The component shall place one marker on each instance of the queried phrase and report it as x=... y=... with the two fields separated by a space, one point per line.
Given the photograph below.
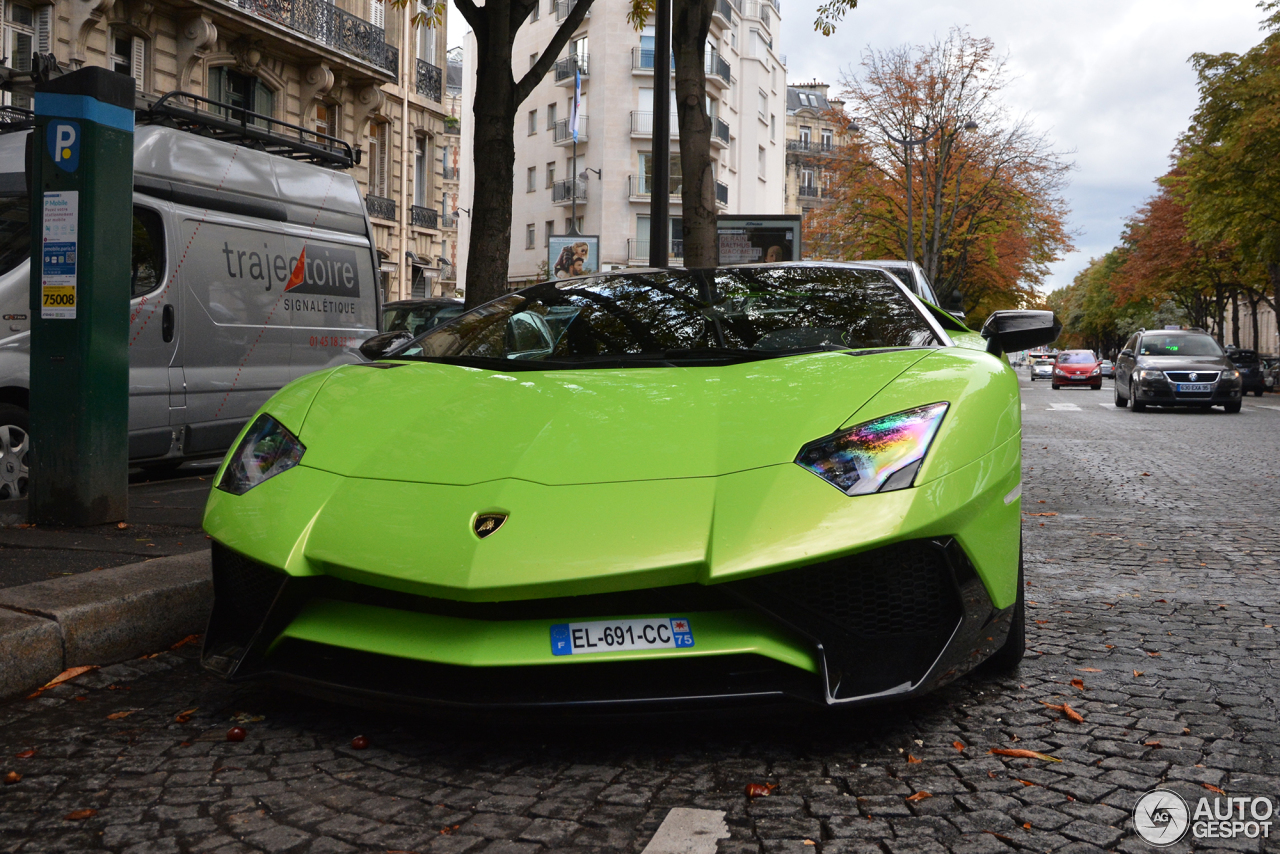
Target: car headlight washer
x=881 y=455
x=266 y=450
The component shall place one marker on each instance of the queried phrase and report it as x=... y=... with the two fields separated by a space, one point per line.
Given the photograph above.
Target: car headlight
x=1096 y=371
x=877 y=456
x=1231 y=375
x=1150 y=375
x=265 y=451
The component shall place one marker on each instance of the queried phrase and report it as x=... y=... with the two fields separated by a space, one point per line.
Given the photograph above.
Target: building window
x=19 y=43
x=426 y=37
x=533 y=60
x=551 y=116
x=548 y=229
x=773 y=126
x=324 y=119
x=128 y=56
x=377 y=13
x=529 y=236
x=531 y=179
x=806 y=177
x=762 y=103
x=805 y=134
x=422 y=172
x=378 y=159
x=533 y=122
x=241 y=92
x=673 y=172
x=826 y=139
x=551 y=173
x=761 y=159
x=537 y=11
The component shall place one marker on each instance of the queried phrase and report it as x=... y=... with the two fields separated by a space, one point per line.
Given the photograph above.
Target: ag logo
x=63 y=138
x=1161 y=817
x=488 y=523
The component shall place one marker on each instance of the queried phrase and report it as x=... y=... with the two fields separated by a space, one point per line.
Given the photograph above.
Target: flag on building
x=577 y=100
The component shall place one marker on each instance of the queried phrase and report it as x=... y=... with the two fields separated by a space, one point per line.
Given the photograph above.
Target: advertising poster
x=572 y=255
x=758 y=240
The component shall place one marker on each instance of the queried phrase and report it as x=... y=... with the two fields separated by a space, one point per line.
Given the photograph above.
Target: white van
x=218 y=229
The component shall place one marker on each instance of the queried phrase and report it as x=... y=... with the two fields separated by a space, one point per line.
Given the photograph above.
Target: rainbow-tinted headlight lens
x=878 y=456
x=265 y=451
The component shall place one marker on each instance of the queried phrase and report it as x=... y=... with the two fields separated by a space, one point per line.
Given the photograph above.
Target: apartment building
x=450 y=167
x=812 y=140
x=357 y=70
x=608 y=186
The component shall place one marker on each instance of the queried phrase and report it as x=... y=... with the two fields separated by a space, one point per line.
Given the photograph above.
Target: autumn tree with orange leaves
x=988 y=215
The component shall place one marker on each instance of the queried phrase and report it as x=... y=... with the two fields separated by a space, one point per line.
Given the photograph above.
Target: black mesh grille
x=243 y=591
x=893 y=591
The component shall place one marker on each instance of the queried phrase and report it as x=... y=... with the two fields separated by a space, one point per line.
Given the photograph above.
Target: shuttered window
x=128 y=56
x=377 y=13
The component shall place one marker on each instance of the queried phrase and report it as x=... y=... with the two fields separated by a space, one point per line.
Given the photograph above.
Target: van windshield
x=15 y=230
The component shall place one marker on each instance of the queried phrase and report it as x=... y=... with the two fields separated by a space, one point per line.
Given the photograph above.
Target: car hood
x=1185 y=363
x=446 y=424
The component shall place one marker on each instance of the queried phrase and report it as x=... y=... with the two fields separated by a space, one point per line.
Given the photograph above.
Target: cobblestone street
x=1154 y=601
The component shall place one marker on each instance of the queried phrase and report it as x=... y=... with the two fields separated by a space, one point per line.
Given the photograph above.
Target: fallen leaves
x=1152 y=744
x=246 y=718
x=11 y=778
x=1089 y=670
x=958 y=745
x=65 y=675
x=1021 y=753
x=918 y=796
x=80 y=815
x=911 y=760
x=116 y=716
x=1146 y=474
x=26 y=754
x=122 y=525
x=1041 y=514
x=1213 y=788
x=1137 y=673
x=1071 y=713
x=188 y=639
x=1154 y=654
x=1027 y=782
x=183 y=717
x=760 y=790
x=1078 y=684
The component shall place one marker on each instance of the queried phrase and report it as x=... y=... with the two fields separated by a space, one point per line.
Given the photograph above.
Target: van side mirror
x=1007 y=331
x=1127 y=352
x=382 y=344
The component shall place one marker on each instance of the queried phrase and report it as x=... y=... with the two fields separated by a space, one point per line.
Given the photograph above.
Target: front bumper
x=889 y=623
x=1077 y=379
x=1160 y=392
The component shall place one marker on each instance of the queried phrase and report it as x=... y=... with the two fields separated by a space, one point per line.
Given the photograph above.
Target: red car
x=1077 y=367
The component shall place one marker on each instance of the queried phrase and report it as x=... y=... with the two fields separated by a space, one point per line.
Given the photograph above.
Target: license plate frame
x=1194 y=388
x=621 y=635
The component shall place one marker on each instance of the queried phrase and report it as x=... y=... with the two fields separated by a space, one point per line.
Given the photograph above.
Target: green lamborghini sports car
x=775 y=482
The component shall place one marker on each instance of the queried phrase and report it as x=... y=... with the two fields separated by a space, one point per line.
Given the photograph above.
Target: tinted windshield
x=419 y=319
x=683 y=318
x=1179 y=345
x=15 y=231
x=1076 y=357
x=1244 y=357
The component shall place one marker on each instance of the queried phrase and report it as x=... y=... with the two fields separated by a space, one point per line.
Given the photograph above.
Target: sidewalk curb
x=100 y=617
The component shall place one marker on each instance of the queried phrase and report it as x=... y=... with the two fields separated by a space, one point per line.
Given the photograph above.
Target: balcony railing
x=562 y=131
x=642 y=59
x=428 y=80
x=642 y=124
x=809 y=145
x=448 y=272
x=640 y=186
x=450 y=173
x=380 y=207
x=424 y=217
x=565 y=67
x=638 y=249
x=331 y=26
x=448 y=221
x=720 y=131
x=722 y=193
x=724 y=10
x=717 y=66
x=756 y=9
x=564 y=7
x=810 y=192
x=568 y=190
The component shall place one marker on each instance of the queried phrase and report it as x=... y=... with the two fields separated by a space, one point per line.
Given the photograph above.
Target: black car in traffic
x=1175 y=367
x=1253 y=375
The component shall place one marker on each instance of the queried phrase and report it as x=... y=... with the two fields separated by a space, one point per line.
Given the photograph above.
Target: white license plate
x=621 y=635
x=1185 y=387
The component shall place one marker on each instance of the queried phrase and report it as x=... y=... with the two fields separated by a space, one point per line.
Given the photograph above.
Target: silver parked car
x=1042 y=369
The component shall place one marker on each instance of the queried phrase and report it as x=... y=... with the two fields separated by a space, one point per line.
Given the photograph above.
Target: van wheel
x=1120 y=399
x=15 y=443
x=1138 y=406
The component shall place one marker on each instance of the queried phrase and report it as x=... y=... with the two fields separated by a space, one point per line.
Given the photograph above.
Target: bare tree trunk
x=1235 y=317
x=489 y=254
x=690 y=23
x=1253 y=312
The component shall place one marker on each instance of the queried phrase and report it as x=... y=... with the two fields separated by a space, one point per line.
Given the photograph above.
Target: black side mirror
x=1007 y=331
x=1128 y=353
x=382 y=344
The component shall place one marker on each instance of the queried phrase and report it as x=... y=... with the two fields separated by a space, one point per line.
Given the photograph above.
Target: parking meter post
x=81 y=172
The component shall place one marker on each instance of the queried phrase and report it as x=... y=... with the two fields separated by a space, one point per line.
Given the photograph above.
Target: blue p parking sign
x=63 y=138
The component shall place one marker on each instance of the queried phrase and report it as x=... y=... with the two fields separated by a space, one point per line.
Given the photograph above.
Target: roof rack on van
x=204 y=116
x=16 y=118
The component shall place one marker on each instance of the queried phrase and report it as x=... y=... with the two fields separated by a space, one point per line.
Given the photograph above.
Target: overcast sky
x=1108 y=79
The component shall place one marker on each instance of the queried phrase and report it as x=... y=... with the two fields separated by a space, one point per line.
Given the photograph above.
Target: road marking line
x=1063 y=407
x=1107 y=404
x=688 y=831
x=1264 y=406
x=1024 y=407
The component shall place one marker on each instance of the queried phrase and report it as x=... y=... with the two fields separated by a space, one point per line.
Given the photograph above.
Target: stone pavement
x=1155 y=592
